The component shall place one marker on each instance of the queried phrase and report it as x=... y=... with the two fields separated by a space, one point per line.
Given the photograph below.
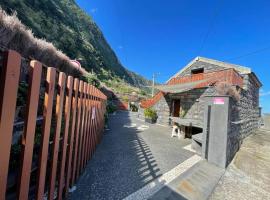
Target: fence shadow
x=122 y=164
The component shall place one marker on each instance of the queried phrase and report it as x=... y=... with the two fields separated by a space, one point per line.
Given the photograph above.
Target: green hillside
x=72 y=31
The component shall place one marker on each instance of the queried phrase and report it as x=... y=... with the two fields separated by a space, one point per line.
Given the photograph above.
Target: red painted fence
x=79 y=119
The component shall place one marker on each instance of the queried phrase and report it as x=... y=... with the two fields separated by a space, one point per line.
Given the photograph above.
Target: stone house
x=182 y=96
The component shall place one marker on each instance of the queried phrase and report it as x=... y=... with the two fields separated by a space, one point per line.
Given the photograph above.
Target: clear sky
x=158 y=36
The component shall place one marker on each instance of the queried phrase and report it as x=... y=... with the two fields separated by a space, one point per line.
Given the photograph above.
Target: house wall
x=199 y=64
x=193 y=102
x=244 y=116
x=163 y=110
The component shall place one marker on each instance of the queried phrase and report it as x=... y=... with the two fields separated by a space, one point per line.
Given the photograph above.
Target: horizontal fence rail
x=54 y=153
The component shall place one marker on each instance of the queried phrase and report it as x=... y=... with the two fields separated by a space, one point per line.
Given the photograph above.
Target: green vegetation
x=71 y=30
x=182 y=113
x=111 y=108
x=150 y=113
x=134 y=108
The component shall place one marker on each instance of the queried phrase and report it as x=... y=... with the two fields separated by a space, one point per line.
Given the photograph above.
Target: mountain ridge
x=70 y=29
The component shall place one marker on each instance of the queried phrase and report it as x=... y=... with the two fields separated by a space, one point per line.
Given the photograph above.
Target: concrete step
x=195 y=184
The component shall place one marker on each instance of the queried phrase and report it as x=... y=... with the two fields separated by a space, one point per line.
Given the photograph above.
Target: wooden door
x=176 y=108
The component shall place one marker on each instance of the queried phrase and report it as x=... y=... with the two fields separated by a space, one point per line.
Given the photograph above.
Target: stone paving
x=248 y=176
x=132 y=154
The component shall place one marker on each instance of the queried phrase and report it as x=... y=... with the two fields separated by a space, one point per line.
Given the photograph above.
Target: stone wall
x=193 y=102
x=163 y=108
x=244 y=116
x=200 y=64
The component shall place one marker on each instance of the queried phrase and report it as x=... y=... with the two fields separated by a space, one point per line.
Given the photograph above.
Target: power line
x=250 y=53
x=211 y=25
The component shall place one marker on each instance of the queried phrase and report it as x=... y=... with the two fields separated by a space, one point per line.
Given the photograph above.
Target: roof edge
x=239 y=68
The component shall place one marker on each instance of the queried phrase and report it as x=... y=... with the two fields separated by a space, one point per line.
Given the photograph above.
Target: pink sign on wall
x=219 y=101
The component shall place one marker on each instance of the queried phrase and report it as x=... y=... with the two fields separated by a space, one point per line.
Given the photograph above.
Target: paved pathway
x=248 y=176
x=131 y=155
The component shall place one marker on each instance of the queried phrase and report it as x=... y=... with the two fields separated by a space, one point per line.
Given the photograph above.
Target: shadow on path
x=123 y=162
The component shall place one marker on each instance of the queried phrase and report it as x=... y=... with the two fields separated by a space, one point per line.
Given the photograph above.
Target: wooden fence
x=65 y=149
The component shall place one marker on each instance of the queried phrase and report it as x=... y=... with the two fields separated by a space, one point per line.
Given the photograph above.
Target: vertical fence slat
x=59 y=110
x=90 y=122
x=8 y=94
x=71 y=139
x=78 y=122
x=82 y=135
x=65 y=136
x=95 y=118
x=29 y=129
x=93 y=121
x=46 y=126
x=86 y=127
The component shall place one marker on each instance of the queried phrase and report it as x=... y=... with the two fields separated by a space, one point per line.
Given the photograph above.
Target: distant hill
x=74 y=32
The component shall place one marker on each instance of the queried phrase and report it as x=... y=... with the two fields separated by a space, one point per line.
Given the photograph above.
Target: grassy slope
x=71 y=30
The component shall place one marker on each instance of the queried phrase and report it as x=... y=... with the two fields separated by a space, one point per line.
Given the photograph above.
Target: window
x=197 y=71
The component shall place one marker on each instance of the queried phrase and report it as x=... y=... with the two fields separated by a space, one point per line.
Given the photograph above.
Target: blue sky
x=158 y=36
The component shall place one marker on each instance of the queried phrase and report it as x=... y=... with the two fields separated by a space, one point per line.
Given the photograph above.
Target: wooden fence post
x=29 y=129
x=82 y=131
x=74 y=174
x=65 y=136
x=59 y=111
x=71 y=139
x=8 y=95
x=46 y=127
x=90 y=122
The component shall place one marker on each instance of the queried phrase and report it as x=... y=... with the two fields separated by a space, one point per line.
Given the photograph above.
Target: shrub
x=111 y=108
x=133 y=108
x=182 y=113
x=92 y=79
x=150 y=113
x=125 y=98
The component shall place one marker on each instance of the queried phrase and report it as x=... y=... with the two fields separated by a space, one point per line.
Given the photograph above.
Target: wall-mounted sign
x=219 y=101
x=94 y=113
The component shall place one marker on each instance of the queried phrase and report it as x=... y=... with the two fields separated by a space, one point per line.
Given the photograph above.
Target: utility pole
x=153 y=83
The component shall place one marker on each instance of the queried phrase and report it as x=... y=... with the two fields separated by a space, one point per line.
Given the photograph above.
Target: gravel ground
x=131 y=155
x=248 y=176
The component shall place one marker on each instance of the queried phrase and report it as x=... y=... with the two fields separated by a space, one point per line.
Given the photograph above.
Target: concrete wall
x=216 y=130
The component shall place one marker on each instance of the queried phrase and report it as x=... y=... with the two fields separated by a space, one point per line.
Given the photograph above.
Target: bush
x=125 y=98
x=92 y=79
x=111 y=108
x=150 y=113
x=182 y=113
x=133 y=108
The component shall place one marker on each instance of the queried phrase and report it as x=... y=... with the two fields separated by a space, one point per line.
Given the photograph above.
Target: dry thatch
x=224 y=88
x=14 y=35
